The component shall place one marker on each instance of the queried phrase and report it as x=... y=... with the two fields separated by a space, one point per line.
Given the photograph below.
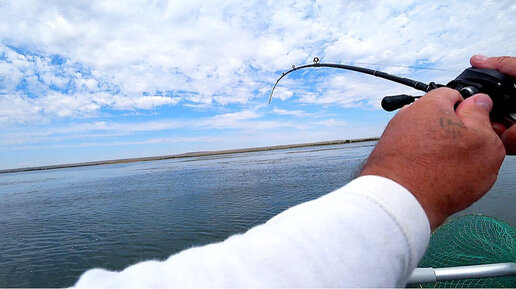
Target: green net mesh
x=472 y=240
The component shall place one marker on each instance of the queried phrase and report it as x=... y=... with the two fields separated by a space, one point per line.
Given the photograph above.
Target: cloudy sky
x=94 y=80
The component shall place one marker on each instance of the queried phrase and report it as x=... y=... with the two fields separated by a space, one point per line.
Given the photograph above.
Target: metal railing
x=429 y=275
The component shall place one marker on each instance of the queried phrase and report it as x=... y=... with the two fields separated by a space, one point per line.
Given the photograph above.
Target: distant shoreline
x=186 y=155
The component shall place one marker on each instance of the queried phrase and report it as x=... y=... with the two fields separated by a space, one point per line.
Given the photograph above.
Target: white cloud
x=17 y=108
x=282 y=92
x=150 y=141
x=72 y=134
x=222 y=52
x=144 y=102
x=243 y=120
x=332 y=123
x=87 y=130
x=298 y=113
x=234 y=116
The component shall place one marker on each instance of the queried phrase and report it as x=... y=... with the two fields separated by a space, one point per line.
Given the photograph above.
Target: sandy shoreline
x=186 y=155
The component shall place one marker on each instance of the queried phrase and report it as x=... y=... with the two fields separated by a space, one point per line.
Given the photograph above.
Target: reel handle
x=393 y=102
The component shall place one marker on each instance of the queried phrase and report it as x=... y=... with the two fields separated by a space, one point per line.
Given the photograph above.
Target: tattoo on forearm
x=453 y=127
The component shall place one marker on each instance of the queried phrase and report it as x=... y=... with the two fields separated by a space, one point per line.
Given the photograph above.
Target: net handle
x=430 y=275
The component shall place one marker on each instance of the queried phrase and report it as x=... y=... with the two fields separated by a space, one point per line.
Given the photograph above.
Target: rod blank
x=405 y=81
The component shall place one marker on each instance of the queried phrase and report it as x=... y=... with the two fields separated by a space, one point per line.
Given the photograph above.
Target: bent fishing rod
x=500 y=87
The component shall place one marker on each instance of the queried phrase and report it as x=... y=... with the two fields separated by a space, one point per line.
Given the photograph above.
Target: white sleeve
x=369 y=233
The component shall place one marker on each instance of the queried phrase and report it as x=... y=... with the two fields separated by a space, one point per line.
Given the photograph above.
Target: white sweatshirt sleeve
x=369 y=233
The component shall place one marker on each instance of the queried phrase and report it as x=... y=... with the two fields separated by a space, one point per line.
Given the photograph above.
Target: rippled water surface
x=56 y=224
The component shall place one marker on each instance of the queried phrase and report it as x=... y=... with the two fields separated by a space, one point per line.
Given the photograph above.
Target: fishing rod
x=500 y=87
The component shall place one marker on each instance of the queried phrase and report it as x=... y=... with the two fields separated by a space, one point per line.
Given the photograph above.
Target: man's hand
x=506 y=65
x=447 y=159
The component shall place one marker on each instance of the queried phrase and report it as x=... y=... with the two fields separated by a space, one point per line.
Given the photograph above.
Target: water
x=56 y=224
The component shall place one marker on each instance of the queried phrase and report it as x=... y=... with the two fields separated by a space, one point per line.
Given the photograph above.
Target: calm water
x=56 y=224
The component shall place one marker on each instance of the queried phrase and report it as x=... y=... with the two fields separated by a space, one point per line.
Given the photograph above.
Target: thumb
x=474 y=110
x=504 y=64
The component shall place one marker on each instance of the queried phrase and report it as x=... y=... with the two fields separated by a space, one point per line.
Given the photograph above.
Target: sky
x=95 y=80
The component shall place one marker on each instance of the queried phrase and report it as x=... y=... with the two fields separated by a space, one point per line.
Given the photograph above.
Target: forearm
x=371 y=232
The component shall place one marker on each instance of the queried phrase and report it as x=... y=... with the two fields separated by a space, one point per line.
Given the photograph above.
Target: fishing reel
x=500 y=87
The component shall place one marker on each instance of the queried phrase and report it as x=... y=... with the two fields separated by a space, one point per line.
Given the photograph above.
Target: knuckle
x=497 y=148
x=503 y=61
x=445 y=93
x=446 y=90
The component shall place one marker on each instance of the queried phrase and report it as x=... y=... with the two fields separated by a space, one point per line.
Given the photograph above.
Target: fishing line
x=406 y=66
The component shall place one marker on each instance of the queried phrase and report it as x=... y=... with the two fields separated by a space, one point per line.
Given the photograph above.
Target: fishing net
x=472 y=240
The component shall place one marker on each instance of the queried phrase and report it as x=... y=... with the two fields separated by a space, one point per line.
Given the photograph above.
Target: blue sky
x=95 y=80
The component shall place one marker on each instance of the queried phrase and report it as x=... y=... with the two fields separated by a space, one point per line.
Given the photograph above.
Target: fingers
x=445 y=95
x=509 y=140
x=504 y=64
x=474 y=111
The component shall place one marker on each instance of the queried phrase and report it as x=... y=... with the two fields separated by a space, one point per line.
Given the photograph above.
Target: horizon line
x=184 y=155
